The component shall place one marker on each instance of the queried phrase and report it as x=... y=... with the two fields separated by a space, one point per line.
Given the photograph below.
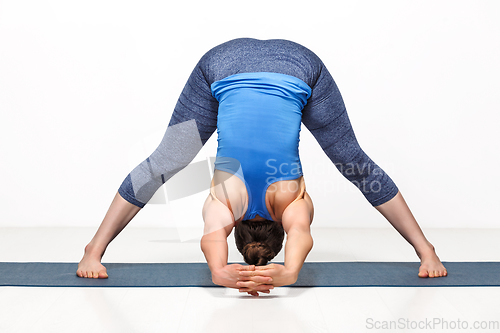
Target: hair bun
x=257 y=253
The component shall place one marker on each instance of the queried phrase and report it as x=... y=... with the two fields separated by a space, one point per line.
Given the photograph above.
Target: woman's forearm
x=298 y=245
x=214 y=247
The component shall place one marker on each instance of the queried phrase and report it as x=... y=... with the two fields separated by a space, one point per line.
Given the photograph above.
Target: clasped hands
x=253 y=279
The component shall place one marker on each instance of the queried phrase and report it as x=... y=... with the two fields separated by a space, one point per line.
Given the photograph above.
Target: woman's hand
x=228 y=276
x=279 y=274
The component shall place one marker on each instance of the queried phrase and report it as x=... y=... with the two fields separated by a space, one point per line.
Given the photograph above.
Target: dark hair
x=259 y=241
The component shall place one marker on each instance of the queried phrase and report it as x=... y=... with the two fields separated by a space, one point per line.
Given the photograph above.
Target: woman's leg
x=326 y=117
x=118 y=216
x=396 y=211
x=192 y=123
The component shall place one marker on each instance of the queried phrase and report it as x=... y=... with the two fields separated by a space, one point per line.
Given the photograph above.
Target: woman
x=261 y=90
x=258 y=186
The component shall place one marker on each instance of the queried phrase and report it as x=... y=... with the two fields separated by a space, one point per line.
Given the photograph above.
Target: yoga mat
x=313 y=274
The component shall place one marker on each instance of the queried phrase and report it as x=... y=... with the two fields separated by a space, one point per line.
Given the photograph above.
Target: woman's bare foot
x=430 y=265
x=90 y=266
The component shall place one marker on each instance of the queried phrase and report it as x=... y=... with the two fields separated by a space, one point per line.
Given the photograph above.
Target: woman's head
x=259 y=241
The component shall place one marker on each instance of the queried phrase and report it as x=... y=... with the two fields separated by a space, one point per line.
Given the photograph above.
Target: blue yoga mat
x=313 y=274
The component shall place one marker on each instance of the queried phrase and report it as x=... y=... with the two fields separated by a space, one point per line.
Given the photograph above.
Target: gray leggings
x=194 y=118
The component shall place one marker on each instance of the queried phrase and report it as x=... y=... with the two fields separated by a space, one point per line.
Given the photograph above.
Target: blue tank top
x=258 y=127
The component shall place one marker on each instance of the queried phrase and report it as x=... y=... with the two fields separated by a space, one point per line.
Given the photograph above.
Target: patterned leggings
x=194 y=118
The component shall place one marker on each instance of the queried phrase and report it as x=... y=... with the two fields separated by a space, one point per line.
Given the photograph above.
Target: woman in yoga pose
x=256 y=93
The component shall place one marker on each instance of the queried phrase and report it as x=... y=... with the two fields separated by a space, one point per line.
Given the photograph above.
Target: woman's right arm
x=219 y=223
x=218 y=226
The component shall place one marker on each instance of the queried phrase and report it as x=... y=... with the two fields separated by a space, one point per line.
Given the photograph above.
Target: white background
x=87 y=90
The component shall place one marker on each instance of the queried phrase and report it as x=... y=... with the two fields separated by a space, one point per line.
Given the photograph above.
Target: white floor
x=226 y=310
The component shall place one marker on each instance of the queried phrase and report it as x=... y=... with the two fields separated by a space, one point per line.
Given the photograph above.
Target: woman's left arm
x=296 y=220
